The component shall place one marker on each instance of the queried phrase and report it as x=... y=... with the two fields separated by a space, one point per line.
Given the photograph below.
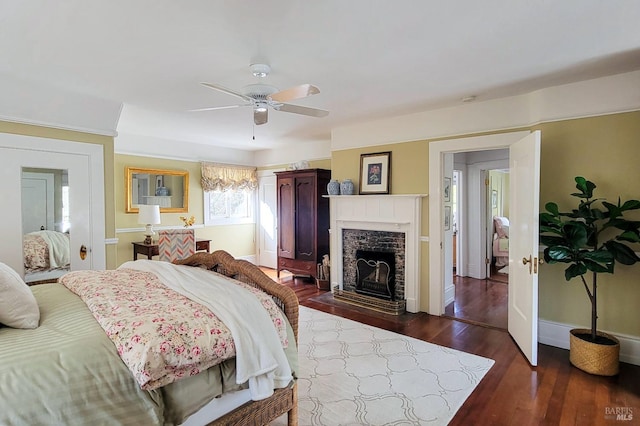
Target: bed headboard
x=223 y=263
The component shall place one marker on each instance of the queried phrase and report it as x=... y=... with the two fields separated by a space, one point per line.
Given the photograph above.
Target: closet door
x=84 y=164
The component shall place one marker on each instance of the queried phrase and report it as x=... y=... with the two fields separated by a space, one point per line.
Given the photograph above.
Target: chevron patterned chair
x=176 y=244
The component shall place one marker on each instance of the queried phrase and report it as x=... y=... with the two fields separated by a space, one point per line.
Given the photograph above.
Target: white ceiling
x=369 y=58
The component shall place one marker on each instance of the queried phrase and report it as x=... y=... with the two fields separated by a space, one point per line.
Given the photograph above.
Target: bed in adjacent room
x=211 y=341
x=501 y=243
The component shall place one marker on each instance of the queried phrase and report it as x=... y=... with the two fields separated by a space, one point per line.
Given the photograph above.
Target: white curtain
x=224 y=177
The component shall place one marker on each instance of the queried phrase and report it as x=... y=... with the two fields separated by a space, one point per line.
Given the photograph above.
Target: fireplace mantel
x=393 y=213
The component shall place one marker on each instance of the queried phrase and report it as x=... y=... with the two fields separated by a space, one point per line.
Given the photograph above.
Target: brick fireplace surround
x=387 y=213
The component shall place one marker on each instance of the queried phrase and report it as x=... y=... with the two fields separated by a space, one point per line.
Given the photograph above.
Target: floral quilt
x=160 y=335
x=36 y=253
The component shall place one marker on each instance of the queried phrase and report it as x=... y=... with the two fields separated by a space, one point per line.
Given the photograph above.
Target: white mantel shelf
x=379 y=212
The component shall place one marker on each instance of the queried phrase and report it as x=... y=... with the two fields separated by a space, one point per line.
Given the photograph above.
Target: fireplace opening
x=375 y=274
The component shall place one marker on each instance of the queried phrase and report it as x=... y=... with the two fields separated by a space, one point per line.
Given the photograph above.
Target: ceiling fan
x=262 y=96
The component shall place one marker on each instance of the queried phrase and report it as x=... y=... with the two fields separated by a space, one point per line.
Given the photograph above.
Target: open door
x=267 y=212
x=523 y=244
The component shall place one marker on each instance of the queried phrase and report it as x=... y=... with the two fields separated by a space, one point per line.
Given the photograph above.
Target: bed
x=71 y=370
x=500 y=241
x=46 y=255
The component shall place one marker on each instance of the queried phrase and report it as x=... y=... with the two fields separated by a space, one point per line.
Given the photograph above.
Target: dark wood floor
x=480 y=301
x=512 y=392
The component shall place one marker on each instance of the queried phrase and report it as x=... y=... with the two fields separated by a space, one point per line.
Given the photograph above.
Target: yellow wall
x=107 y=143
x=239 y=240
x=604 y=149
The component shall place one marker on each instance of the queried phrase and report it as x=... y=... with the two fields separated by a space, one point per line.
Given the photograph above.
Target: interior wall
x=108 y=155
x=239 y=240
x=603 y=149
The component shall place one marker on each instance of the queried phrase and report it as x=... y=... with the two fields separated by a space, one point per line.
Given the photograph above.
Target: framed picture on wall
x=447 y=189
x=375 y=173
x=447 y=218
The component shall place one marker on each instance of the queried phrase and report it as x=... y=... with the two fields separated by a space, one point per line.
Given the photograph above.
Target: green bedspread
x=67 y=372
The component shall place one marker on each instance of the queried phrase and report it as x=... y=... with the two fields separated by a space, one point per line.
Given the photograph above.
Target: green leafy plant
x=589 y=239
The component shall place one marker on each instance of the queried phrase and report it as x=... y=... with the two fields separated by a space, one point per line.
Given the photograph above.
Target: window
x=229 y=207
x=228 y=193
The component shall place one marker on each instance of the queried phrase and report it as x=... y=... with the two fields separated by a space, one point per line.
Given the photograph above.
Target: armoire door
x=286 y=218
x=305 y=238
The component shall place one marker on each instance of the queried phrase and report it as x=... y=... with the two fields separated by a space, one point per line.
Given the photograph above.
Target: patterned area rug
x=354 y=374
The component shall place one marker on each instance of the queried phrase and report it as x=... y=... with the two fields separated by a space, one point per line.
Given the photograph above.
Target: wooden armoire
x=303 y=220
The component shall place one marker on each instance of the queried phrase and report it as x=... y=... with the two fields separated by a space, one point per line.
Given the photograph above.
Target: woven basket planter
x=594 y=358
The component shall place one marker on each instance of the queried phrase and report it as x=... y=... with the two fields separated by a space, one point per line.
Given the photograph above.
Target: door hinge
x=487 y=261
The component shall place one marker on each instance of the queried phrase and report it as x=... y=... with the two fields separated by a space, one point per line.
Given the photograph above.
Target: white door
x=523 y=244
x=37 y=202
x=84 y=164
x=267 y=224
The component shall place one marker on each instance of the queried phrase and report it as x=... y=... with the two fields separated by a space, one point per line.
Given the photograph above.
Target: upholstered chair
x=175 y=244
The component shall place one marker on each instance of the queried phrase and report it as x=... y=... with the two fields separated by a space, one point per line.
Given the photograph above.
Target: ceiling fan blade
x=228 y=92
x=297 y=109
x=260 y=116
x=220 y=107
x=296 y=92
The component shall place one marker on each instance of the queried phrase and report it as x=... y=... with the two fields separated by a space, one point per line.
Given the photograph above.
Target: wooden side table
x=151 y=250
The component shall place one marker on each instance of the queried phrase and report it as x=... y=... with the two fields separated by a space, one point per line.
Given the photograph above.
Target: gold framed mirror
x=167 y=188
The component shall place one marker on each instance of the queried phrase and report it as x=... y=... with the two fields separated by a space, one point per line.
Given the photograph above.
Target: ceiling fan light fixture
x=261 y=108
x=260 y=70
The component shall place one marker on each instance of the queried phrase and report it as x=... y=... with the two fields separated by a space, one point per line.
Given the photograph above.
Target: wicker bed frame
x=283 y=400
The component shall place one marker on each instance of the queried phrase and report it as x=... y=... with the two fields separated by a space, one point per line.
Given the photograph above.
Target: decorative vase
x=333 y=187
x=594 y=358
x=346 y=187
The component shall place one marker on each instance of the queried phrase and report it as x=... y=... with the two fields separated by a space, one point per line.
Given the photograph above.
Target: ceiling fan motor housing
x=259 y=92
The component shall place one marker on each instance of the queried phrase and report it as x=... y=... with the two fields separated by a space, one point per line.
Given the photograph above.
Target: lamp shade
x=149 y=214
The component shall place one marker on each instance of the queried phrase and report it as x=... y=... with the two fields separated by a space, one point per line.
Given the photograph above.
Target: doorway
x=524 y=162
x=477 y=295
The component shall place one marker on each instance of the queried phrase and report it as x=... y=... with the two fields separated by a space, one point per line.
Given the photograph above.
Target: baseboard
x=251 y=258
x=557 y=334
x=449 y=294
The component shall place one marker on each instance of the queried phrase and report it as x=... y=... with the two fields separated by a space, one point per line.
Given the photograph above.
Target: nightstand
x=151 y=250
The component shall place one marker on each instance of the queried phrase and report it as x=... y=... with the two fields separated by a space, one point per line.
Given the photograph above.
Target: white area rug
x=354 y=374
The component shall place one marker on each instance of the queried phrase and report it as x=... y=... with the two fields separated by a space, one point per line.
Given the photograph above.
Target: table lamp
x=149 y=215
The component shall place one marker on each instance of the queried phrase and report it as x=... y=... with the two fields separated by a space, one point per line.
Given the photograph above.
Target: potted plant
x=590 y=240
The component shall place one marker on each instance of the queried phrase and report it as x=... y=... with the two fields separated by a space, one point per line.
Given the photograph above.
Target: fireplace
x=381 y=223
x=375 y=274
x=373 y=246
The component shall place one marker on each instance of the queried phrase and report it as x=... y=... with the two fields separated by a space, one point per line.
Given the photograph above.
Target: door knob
x=83 y=252
x=525 y=261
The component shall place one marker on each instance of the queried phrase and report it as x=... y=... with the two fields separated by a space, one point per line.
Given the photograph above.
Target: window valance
x=224 y=177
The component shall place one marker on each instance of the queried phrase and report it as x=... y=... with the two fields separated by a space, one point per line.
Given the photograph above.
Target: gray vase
x=333 y=187
x=346 y=187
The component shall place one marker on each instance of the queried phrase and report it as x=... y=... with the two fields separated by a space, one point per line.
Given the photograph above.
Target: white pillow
x=18 y=306
x=501 y=225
